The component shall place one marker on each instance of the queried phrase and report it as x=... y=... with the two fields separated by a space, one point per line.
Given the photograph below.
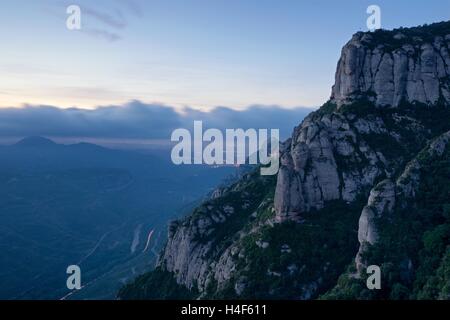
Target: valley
x=81 y=204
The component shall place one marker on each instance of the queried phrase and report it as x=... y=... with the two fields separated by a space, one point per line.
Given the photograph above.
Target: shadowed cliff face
x=331 y=155
x=310 y=174
x=395 y=67
x=386 y=194
x=343 y=168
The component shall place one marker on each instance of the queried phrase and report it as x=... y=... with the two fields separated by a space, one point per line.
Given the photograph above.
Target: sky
x=136 y=122
x=199 y=54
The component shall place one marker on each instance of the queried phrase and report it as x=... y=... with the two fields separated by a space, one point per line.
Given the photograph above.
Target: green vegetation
x=409 y=126
x=359 y=108
x=414 y=246
x=244 y=197
x=301 y=259
x=315 y=257
x=390 y=147
x=327 y=108
x=416 y=35
x=155 y=285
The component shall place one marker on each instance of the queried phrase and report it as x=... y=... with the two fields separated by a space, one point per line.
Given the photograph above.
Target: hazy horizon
x=202 y=55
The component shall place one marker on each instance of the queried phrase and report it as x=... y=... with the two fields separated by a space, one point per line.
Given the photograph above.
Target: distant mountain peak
x=35 y=141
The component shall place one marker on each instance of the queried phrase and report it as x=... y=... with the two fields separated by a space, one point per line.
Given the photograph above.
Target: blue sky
x=197 y=53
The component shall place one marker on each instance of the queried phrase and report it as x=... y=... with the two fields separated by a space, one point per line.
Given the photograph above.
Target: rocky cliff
x=383 y=69
x=387 y=194
x=200 y=248
x=341 y=191
x=407 y=65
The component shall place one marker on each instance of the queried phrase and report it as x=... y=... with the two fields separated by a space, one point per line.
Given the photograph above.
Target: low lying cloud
x=137 y=120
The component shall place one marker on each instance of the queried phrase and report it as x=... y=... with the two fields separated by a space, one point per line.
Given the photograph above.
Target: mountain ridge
x=309 y=232
x=34 y=141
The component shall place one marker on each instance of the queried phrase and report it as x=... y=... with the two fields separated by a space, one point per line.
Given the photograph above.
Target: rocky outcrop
x=310 y=174
x=338 y=153
x=392 y=70
x=186 y=253
x=333 y=156
x=381 y=201
x=330 y=155
x=196 y=252
x=385 y=195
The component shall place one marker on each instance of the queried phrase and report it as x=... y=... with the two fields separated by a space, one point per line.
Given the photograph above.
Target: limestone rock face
x=410 y=70
x=195 y=251
x=387 y=194
x=381 y=201
x=330 y=155
x=335 y=154
x=185 y=255
x=325 y=160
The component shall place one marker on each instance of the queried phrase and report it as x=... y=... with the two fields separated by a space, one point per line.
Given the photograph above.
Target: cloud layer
x=137 y=120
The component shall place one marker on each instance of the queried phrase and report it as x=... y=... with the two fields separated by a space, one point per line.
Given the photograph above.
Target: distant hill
x=35 y=142
x=88 y=205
